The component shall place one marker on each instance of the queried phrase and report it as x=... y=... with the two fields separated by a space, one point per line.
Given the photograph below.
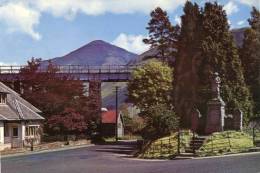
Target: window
x=15 y=132
x=31 y=131
x=3 y=98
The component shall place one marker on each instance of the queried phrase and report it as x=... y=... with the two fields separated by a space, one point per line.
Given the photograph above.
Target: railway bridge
x=94 y=75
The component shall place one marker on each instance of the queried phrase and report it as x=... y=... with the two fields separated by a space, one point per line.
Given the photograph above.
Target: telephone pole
x=116 y=126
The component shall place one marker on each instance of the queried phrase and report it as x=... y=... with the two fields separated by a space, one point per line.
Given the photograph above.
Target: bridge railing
x=73 y=69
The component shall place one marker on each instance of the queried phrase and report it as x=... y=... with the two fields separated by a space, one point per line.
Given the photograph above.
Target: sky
x=52 y=28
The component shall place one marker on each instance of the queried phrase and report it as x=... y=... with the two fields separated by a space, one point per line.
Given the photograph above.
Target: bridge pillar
x=95 y=95
x=17 y=86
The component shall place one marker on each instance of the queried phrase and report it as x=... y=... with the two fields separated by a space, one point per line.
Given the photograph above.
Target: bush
x=159 y=121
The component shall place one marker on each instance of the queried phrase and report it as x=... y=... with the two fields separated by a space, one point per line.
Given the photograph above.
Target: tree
x=56 y=97
x=250 y=56
x=206 y=46
x=220 y=55
x=68 y=122
x=160 y=121
x=150 y=85
x=150 y=90
x=187 y=61
x=162 y=35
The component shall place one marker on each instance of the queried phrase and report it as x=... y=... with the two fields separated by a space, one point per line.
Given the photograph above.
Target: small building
x=108 y=126
x=19 y=120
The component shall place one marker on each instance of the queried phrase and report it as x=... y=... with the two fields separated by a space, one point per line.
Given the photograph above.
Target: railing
x=168 y=146
x=225 y=145
x=73 y=69
x=7 y=140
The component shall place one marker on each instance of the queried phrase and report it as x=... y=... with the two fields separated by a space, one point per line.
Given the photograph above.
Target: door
x=15 y=139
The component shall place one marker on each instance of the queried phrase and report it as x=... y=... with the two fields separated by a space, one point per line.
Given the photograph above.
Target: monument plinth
x=216 y=108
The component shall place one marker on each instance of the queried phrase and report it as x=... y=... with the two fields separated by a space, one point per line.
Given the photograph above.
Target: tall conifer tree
x=250 y=56
x=206 y=46
x=220 y=55
x=162 y=35
x=186 y=79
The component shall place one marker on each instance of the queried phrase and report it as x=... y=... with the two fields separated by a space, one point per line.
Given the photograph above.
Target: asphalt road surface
x=115 y=159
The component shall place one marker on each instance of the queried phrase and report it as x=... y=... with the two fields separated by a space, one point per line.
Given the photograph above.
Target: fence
x=255 y=133
x=229 y=142
x=168 y=146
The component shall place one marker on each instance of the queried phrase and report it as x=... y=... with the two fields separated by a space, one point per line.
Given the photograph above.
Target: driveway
x=116 y=159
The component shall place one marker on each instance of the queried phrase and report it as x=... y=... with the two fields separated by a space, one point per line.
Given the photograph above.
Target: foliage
x=226 y=142
x=162 y=35
x=207 y=46
x=187 y=63
x=56 y=97
x=68 y=122
x=220 y=55
x=150 y=85
x=132 y=123
x=159 y=121
x=250 y=56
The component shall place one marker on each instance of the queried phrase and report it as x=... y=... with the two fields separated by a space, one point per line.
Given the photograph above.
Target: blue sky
x=51 y=28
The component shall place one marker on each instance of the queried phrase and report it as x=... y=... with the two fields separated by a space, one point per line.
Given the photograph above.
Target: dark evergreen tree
x=162 y=35
x=219 y=54
x=187 y=60
x=206 y=46
x=250 y=56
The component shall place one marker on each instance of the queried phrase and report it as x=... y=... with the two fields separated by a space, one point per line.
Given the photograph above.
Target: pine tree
x=219 y=54
x=162 y=35
x=250 y=56
x=186 y=79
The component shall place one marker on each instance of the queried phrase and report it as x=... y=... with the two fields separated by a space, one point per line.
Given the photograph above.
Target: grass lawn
x=166 y=147
x=226 y=142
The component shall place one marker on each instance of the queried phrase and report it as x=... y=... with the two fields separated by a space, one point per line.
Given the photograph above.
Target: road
x=115 y=159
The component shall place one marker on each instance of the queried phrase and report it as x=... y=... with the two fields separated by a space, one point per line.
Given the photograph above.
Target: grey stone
x=216 y=108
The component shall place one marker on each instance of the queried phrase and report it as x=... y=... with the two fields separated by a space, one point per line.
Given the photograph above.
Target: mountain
x=95 y=53
x=238 y=35
x=99 y=53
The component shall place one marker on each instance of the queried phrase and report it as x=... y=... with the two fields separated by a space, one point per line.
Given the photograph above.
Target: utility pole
x=116 y=126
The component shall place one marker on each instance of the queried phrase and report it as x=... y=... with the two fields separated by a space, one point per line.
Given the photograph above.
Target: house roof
x=16 y=107
x=109 y=117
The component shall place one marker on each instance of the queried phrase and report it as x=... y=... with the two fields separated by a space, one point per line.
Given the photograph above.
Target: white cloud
x=177 y=19
x=250 y=3
x=231 y=8
x=242 y=22
x=132 y=43
x=69 y=8
x=24 y=15
x=20 y=18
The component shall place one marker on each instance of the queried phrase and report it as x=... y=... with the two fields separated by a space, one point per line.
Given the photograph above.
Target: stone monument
x=216 y=108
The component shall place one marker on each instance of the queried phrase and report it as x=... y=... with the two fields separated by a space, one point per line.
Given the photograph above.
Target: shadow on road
x=120 y=147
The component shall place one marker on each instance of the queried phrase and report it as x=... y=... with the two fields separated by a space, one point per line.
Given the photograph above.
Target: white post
x=2 y=132
x=21 y=132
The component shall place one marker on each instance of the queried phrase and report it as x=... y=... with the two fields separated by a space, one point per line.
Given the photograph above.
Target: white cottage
x=19 y=120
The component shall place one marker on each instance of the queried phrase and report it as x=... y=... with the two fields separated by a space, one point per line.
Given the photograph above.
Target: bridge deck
x=109 y=73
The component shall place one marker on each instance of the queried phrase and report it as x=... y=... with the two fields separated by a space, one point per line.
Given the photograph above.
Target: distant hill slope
x=95 y=53
x=238 y=35
x=99 y=53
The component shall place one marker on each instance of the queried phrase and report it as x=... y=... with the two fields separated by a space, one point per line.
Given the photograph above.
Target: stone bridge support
x=95 y=95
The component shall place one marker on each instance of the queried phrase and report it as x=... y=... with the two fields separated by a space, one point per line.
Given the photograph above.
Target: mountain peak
x=98 y=42
x=97 y=53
